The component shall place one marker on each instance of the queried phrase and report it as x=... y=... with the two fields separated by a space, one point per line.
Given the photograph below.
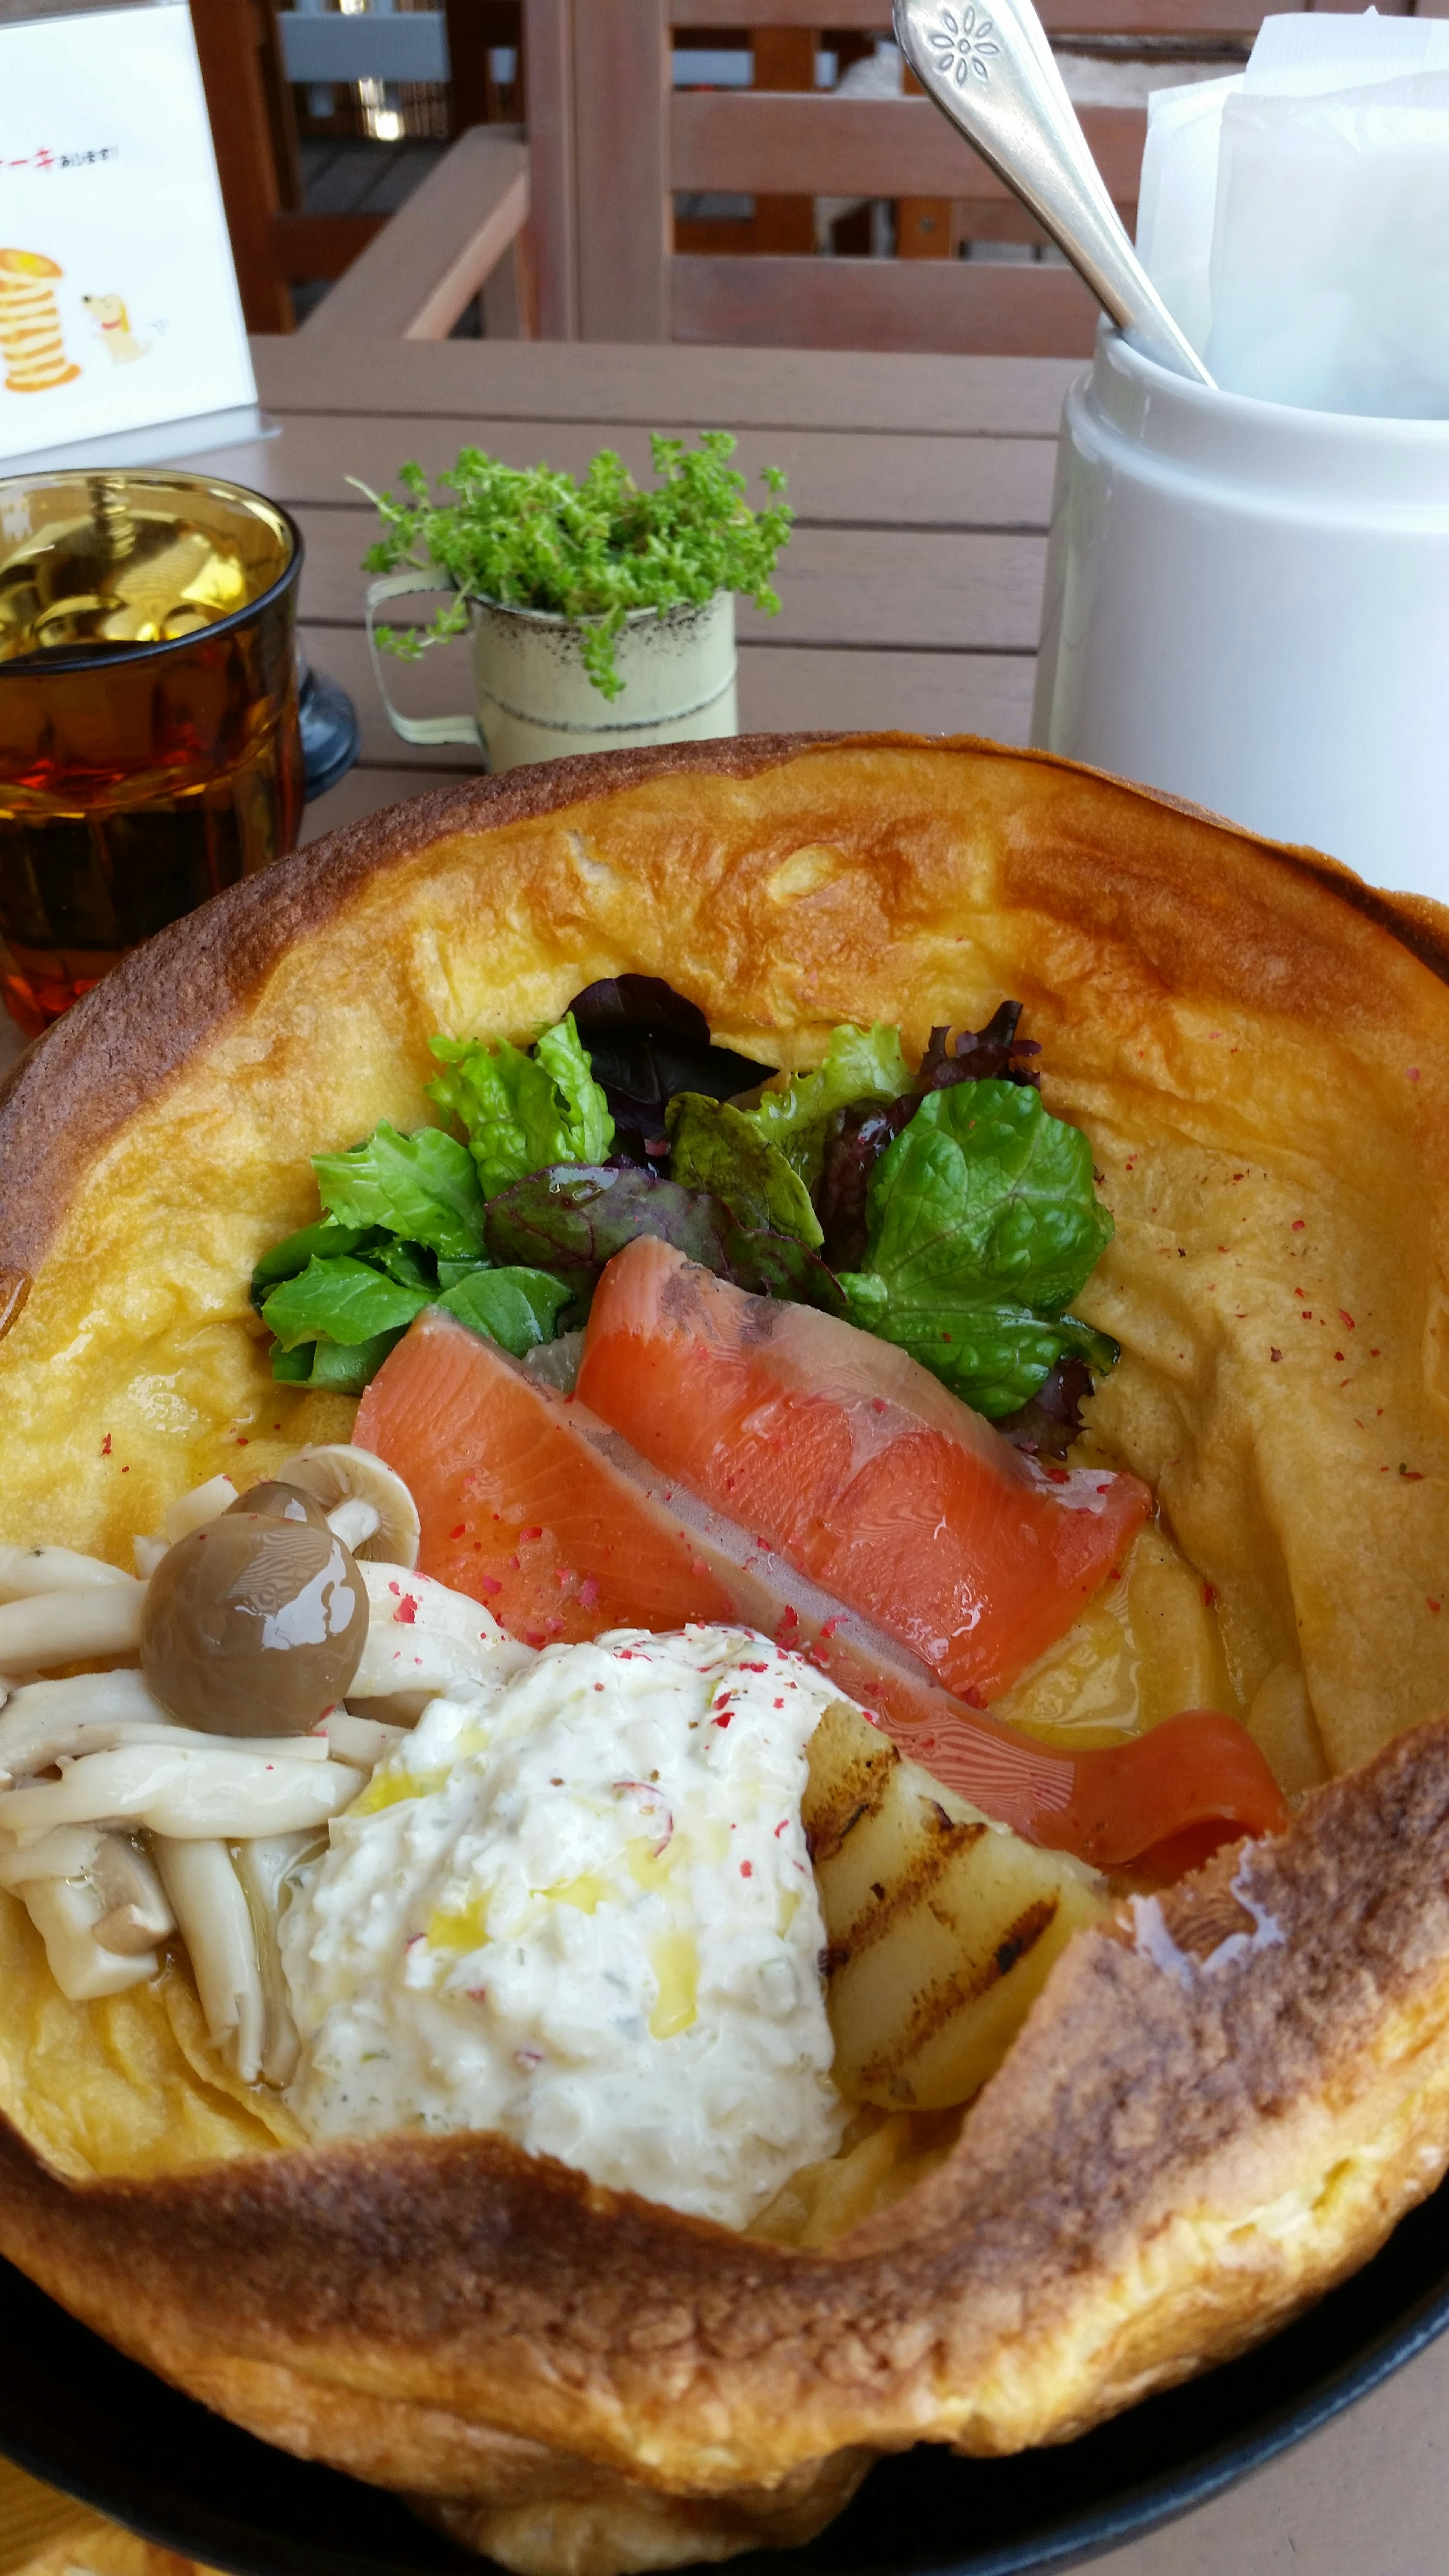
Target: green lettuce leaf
x=337 y=1321
x=423 y=1188
x=522 y=1112
x=342 y=1301
x=859 y=1064
x=327 y=1364
x=514 y=1307
x=295 y=1251
x=714 y=1146
x=983 y=1226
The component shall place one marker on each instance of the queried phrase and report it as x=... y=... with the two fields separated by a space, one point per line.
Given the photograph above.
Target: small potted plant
x=601 y=614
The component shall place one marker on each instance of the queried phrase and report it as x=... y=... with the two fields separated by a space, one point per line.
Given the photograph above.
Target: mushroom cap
x=339 y=1473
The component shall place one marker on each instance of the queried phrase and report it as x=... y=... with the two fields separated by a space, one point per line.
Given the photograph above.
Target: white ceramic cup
x=1249 y=606
x=534 y=699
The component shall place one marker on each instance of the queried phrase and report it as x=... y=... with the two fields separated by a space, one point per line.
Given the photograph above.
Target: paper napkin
x=1296 y=218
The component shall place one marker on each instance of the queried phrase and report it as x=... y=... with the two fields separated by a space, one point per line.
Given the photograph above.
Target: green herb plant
x=591 y=551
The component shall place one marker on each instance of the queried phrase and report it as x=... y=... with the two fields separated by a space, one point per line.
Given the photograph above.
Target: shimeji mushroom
x=25 y=1571
x=423 y=1640
x=263 y=1867
x=49 y=1722
x=364 y=1741
x=216 y=1925
x=189 y=1512
x=226 y=1792
x=98 y=1906
x=45 y=1721
x=70 y=1627
x=137 y=1915
x=367 y=1506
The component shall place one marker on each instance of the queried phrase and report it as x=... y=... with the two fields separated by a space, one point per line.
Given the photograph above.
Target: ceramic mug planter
x=535 y=700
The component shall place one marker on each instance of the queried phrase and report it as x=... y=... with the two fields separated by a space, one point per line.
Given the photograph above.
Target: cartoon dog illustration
x=108 y=312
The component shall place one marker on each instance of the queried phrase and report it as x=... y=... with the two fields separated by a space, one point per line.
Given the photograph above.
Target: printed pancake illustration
x=1171 y=2100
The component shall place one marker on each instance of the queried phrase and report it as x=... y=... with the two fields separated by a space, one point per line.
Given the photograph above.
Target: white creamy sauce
x=577 y=1907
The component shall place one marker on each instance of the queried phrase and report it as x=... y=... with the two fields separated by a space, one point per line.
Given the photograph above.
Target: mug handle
x=461 y=728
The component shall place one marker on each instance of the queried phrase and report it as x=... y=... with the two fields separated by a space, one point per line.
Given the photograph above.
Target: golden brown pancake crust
x=1185 y=2146
x=1175 y=2157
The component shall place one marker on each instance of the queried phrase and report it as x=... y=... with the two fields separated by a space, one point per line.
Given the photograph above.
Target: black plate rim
x=219 y=2537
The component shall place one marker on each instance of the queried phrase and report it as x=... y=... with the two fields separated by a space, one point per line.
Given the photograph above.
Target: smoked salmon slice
x=532 y=1505
x=517 y=1510
x=856 y=1464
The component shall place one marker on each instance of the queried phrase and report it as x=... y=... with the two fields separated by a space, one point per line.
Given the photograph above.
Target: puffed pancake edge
x=1210 y=2117
x=1218 y=2108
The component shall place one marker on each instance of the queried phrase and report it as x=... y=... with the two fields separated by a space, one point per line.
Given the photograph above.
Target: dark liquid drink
x=149 y=751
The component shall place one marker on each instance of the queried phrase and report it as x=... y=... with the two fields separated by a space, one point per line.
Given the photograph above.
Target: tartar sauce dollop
x=579 y=1909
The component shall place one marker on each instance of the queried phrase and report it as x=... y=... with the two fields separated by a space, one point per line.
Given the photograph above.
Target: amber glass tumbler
x=149 y=750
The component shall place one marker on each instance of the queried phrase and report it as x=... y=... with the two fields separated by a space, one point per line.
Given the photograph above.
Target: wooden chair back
x=612 y=143
x=275 y=242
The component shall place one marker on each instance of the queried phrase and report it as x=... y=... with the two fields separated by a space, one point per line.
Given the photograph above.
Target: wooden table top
x=911 y=590
x=911 y=587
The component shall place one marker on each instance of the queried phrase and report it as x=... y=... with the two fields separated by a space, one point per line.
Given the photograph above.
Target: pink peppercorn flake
x=459 y=1531
x=1347 y=1321
x=1434 y=1605
x=747 y=1869
x=530 y=1533
x=106 y=1446
x=406 y=1611
x=1298 y=1224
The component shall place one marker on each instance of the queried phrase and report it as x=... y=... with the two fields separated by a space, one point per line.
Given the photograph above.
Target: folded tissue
x=1295 y=219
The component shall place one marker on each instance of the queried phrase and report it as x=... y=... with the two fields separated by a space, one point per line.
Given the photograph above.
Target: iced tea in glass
x=149 y=750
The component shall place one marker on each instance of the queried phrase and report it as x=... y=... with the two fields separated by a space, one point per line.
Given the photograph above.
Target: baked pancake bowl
x=1218 y=2106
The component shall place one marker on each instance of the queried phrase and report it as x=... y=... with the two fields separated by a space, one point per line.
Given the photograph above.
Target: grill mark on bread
x=855 y=1797
x=941 y=1844
x=931 y=2011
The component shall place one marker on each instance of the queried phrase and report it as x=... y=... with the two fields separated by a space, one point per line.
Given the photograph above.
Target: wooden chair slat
x=621 y=75
x=815 y=145
x=871 y=17
x=965 y=307
x=437 y=251
x=766 y=389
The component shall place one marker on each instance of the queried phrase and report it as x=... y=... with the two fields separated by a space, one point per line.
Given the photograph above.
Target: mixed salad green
x=942 y=1208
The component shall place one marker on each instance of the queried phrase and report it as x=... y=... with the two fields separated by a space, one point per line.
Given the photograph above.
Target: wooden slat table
x=922 y=485
x=911 y=598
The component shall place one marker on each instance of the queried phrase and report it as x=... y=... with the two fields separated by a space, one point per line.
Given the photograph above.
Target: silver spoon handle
x=988 y=67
